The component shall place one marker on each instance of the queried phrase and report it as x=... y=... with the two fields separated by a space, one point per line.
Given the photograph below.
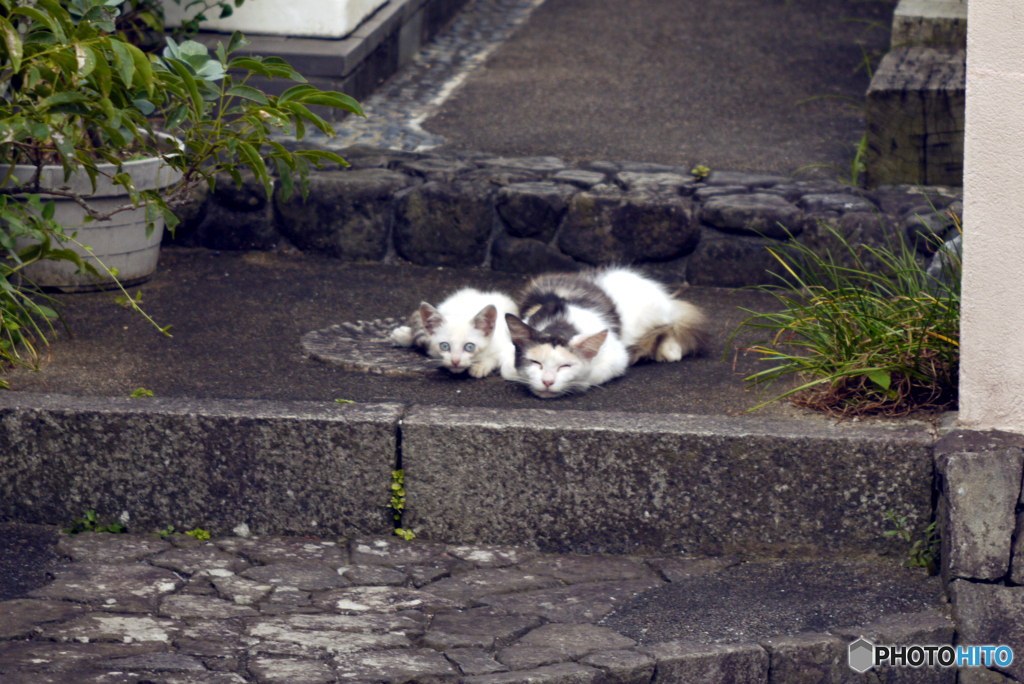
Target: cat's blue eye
x=469 y=347
x=445 y=346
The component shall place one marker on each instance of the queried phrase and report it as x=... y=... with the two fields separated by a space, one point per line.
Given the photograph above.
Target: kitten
x=466 y=331
x=582 y=330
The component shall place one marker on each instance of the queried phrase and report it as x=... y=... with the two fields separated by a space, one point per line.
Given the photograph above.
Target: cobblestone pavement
x=134 y=609
x=396 y=109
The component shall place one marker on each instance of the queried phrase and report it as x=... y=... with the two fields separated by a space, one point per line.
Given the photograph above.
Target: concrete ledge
x=620 y=483
x=281 y=467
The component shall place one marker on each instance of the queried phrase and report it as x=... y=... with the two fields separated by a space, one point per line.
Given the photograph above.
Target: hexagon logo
x=862 y=655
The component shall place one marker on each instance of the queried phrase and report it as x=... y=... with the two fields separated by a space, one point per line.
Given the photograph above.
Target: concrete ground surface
x=745 y=85
x=719 y=83
x=237 y=318
x=134 y=609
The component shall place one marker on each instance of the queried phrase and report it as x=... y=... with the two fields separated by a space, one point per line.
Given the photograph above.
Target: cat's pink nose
x=548 y=383
x=455 y=362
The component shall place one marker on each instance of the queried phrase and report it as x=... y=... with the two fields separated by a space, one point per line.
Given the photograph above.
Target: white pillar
x=992 y=317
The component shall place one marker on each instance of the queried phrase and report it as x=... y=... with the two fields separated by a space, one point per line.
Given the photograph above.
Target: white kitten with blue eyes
x=467 y=331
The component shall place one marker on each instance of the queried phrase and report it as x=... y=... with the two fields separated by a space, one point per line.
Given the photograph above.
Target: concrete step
x=915 y=103
x=354 y=65
x=569 y=481
x=915 y=117
x=276 y=610
x=932 y=23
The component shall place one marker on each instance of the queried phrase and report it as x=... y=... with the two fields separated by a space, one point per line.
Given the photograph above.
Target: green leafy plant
x=75 y=92
x=90 y=523
x=700 y=172
x=924 y=552
x=882 y=339
x=141 y=392
x=197 y=534
x=397 y=504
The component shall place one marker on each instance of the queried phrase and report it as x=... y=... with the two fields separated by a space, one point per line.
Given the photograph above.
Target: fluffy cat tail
x=686 y=334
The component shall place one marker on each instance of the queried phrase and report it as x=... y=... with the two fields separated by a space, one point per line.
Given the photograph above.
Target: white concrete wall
x=296 y=18
x=992 y=319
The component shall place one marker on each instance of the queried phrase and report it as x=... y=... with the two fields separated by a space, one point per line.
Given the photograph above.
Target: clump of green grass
x=858 y=340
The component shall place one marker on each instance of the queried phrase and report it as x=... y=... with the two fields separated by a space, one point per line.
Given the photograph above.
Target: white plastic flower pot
x=119 y=243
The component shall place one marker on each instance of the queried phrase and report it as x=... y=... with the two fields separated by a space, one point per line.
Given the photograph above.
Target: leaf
x=249 y=93
x=103 y=77
x=60 y=99
x=293 y=92
x=304 y=113
x=255 y=163
x=44 y=19
x=344 y=401
x=249 y=64
x=13 y=42
x=86 y=60
x=125 y=62
x=237 y=41
x=287 y=183
x=190 y=83
x=880 y=378
x=141 y=392
x=336 y=100
x=143 y=69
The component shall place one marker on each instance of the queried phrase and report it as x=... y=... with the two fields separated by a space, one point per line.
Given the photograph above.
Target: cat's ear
x=432 y=318
x=519 y=331
x=589 y=347
x=484 y=321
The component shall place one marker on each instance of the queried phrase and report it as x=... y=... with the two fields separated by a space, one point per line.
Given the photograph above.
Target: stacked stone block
x=535 y=214
x=981 y=517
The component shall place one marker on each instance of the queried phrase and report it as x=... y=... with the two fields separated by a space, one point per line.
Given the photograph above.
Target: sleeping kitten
x=466 y=331
x=582 y=330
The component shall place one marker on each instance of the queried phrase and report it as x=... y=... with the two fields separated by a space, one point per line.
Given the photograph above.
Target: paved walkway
x=134 y=609
x=743 y=85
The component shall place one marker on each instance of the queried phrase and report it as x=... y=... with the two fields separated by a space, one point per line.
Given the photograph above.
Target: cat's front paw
x=481 y=370
x=402 y=336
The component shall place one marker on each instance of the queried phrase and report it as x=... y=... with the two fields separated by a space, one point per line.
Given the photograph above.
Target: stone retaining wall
x=526 y=215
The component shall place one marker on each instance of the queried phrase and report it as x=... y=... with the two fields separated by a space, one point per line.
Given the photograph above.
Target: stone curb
x=532 y=214
x=556 y=480
x=129 y=609
x=980 y=516
x=271 y=466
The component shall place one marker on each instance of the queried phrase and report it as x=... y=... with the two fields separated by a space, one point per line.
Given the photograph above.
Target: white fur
x=455 y=329
x=553 y=371
x=648 y=313
x=643 y=304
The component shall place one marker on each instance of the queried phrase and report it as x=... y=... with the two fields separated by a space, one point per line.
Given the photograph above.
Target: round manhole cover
x=365 y=346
